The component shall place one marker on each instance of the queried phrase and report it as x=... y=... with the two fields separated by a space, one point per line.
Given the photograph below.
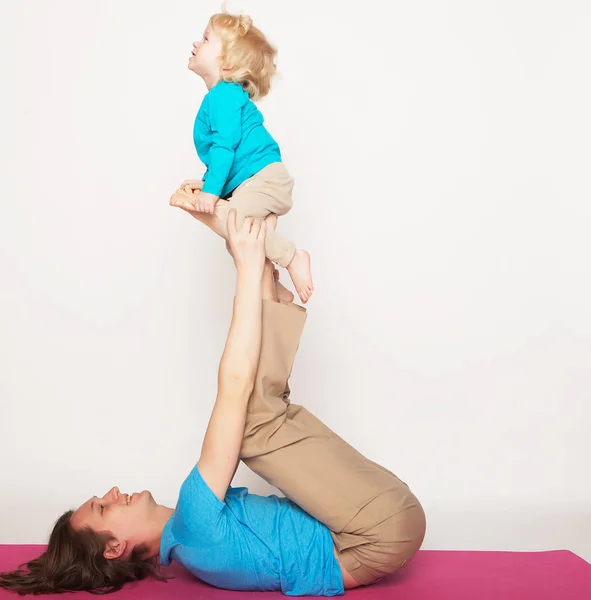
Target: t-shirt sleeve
x=225 y=116
x=200 y=512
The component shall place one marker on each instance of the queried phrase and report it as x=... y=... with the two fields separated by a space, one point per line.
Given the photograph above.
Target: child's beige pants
x=267 y=192
x=377 y=523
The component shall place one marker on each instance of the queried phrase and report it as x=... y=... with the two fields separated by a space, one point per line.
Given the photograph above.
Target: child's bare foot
x=283 y=294
x=301 y=274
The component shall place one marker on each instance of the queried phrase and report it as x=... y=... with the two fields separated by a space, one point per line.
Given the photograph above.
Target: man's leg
x=294 y=451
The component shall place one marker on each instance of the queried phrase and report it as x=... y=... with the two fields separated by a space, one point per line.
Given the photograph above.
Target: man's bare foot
x=301 y=274
x=181 y=199
x=283 y=294
x=269 y=288
x=217 y=222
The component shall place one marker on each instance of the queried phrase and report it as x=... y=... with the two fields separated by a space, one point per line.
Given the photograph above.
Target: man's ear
x=114 y=549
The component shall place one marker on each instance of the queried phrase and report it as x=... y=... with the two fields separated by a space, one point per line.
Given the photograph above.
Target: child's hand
x=205 y=202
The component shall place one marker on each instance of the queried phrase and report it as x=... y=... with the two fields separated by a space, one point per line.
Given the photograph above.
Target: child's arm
x=225 y=115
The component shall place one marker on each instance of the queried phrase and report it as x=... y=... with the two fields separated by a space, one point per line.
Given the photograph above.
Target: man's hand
x=247 y=245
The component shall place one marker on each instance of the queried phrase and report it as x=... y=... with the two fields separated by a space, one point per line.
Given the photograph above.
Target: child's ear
x=224 y=66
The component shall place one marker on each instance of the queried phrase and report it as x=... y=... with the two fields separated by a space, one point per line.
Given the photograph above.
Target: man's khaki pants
x=377 y=524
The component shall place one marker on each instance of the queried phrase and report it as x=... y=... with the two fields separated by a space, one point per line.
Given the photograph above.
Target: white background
x=441 y=154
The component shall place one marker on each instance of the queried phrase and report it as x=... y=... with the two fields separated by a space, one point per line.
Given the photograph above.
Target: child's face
x=205 y=58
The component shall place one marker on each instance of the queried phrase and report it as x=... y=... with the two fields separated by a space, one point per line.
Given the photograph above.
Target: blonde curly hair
x=247 y=56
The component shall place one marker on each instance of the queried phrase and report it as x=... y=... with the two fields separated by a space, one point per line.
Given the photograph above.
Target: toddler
x=243 y=162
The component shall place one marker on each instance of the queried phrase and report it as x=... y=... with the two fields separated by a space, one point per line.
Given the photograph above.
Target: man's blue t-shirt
x=250 y=542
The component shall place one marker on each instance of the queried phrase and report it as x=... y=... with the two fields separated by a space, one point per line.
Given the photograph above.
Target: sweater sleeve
x=225 y=114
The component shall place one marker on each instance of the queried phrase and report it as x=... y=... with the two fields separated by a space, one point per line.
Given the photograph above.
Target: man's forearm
x=241 y=354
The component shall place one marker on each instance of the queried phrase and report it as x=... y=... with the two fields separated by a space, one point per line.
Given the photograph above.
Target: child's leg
x=267 y=192
x=270 y=192
x=217 y=223
x=377 y=522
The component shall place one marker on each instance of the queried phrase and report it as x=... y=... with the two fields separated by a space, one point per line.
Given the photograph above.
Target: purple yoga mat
x=432 y=575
